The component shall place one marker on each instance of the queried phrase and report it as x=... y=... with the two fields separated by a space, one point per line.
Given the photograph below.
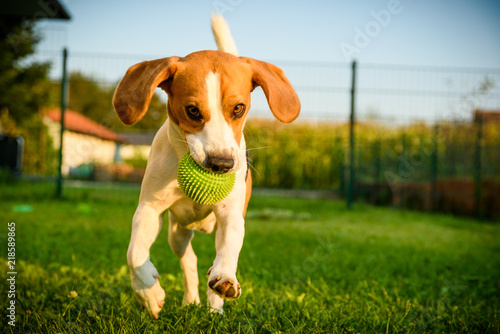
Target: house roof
x=37 y=9
x=487 y=115
x=76 y=122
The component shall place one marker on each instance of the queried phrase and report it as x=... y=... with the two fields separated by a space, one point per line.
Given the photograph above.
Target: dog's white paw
x=225 y=286
x=215 y=303
x=147 y=289
x=151 y=299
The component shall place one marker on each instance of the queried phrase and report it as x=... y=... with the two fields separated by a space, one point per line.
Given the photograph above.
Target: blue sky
x=453 y=33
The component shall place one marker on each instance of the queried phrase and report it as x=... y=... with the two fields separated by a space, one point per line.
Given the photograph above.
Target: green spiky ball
x=201 y=185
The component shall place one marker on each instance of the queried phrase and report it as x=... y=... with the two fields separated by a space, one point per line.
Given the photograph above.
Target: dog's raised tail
x=222 y=35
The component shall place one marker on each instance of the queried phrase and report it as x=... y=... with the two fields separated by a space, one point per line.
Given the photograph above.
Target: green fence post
x=335 y=168
x=434 y=170
x=402 y=192
x=63 y=109
x=378 y=163
x=478 y=167
x=342 y=179
x=378 y=172
x=350 y=186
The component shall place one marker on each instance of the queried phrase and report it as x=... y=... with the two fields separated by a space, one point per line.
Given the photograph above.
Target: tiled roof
x=76 y=122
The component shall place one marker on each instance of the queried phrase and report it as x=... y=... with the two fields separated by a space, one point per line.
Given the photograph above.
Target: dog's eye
x=193 y=113
x=239 y=110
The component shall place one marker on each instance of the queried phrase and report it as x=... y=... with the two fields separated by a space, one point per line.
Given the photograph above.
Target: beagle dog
x=208 y=102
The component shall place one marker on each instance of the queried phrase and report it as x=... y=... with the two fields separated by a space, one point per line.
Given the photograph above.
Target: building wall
x=80 y=149
x=134 y=151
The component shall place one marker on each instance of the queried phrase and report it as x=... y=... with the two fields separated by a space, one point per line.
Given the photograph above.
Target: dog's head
x=208 y=99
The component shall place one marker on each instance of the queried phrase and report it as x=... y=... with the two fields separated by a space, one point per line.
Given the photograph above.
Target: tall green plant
x=312 y=156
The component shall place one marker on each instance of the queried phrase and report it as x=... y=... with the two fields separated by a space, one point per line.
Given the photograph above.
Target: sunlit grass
x=307 y=266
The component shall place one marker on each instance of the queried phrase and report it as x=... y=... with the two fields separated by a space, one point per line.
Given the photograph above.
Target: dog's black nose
x=218 y=164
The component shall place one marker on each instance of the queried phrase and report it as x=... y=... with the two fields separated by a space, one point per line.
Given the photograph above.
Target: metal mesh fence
x=417 y=130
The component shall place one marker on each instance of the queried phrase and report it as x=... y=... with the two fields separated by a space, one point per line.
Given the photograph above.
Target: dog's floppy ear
x=135 y=90
x=281 y=96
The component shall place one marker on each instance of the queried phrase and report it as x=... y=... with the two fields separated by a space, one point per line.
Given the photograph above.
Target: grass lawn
x=307 y=266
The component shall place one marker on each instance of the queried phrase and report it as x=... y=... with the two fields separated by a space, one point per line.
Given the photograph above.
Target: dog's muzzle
x=219 y=164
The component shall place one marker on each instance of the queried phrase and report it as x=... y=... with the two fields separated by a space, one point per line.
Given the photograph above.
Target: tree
x=89 y=98
x=93 y=99
x=23 y=88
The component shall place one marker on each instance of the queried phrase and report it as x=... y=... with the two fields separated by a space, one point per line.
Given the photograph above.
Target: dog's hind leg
x=179 y=239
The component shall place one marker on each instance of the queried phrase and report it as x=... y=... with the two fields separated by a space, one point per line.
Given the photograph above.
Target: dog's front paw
x=151 y=299
x=147 y=289
x=225 y=286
